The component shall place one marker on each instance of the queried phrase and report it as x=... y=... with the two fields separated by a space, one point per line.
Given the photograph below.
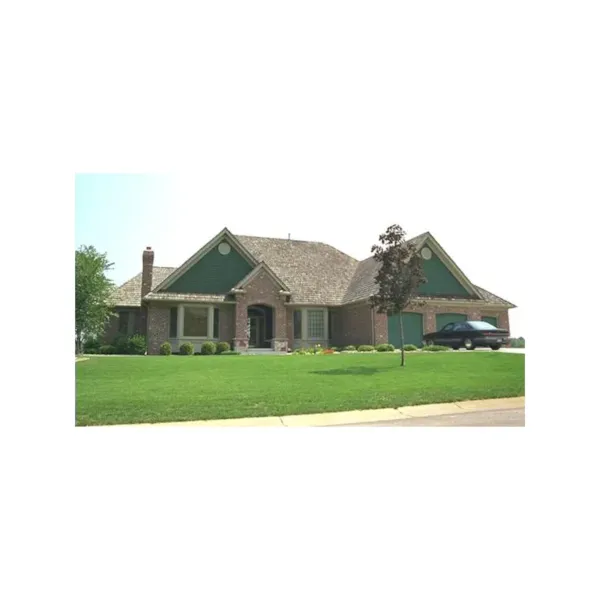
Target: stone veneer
x=158 y=328
x=261 y=289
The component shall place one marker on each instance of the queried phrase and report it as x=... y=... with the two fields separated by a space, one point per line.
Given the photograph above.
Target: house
x=282 y=294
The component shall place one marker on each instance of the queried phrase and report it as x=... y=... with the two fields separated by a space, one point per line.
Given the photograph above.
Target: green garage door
x=412 y=323
x=442 y=319
x=491 y=320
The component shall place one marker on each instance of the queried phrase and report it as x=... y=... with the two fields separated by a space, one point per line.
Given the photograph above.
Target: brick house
x=293 y=294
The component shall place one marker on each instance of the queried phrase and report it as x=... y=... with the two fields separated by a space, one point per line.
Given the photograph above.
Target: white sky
x=330 y=125
x=480 y=235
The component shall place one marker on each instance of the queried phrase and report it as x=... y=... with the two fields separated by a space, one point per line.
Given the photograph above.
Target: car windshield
x=482 y=325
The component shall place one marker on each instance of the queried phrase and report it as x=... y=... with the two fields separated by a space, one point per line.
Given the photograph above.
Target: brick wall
x=158 y=328
x=226 y=323
x=356 y=326
x=261 y=290
x=381 y=328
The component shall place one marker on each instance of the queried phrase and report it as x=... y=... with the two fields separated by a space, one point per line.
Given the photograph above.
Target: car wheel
x=469 y=345
x=495 y=347
x=429 y=342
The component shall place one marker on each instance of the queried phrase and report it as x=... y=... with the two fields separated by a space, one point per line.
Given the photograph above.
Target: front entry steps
x=264 y=352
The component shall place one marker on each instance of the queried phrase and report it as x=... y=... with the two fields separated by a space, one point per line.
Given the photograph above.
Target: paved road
x=507 y=417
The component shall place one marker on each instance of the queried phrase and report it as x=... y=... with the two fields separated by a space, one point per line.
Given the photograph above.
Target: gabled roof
x=262 y=266
x=313 y=273
x=130 y=293
x=224 y=234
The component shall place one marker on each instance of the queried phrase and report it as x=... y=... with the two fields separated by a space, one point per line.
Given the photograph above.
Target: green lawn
x=147 y=389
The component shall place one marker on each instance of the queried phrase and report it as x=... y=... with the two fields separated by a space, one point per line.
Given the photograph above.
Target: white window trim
x=211 y=322
x=304 y=324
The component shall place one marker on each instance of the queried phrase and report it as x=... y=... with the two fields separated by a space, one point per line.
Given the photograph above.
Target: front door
x=254 y=340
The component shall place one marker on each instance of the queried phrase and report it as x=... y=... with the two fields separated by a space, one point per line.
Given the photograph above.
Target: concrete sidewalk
x=352 y=417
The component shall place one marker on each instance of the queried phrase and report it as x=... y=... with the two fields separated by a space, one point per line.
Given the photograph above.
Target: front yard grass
x=151 y=389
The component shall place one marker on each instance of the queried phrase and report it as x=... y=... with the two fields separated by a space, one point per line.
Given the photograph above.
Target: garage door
x=412 y=323
x=442 y=319
x=491 y=320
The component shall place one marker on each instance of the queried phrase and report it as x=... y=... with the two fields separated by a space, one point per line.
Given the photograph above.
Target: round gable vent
x=224 y=248
x=426 y=253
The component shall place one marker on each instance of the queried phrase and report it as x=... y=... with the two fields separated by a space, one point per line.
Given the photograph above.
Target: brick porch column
x=429 y=313
x=380 y=323
x=280 y=324
x=240 y=339
x=503 y=320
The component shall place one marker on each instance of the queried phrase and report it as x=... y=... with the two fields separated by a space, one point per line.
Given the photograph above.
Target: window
x=462 y=327
x=316 y=324
x=448 y=327
x=195 y=321
x=216 y=323
x=173 y=322
x=124 y=322
x=297 y=324
x=330 y=326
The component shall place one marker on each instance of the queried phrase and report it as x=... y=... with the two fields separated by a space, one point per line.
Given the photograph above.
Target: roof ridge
x=278 y=239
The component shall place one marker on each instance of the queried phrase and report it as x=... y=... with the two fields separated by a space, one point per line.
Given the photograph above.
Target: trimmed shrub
x=107 y=349
x=208 y=348
x=166 y=349
x=92 y=351
x=229 y=353
x=186 y=348
x=137 y=344
x=384 y=348
x=349 y=349
x=92 y=344
x=334 y=348
x=223 y=347
x=435 y=349
x=121 y=344
x=366 y=348
x=410 y=348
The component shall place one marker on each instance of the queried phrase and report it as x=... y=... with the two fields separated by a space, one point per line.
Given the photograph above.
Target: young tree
x=92 y=291
x=399 y=277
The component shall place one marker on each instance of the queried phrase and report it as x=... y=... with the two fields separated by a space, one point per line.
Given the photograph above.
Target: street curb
x=352 y=417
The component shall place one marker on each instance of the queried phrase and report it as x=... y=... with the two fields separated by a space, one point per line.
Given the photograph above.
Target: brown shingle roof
x=129 y=294
x=315 y=273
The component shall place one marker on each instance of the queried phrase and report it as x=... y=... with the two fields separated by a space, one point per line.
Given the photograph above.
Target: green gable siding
x=213 y=274
x=442 y=319
x=412 y=324
x=440 y=281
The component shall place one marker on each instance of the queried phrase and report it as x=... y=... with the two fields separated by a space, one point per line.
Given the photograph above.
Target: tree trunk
x=401 y=341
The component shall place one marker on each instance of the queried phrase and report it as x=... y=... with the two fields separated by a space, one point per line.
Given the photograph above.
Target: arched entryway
x=260 y=321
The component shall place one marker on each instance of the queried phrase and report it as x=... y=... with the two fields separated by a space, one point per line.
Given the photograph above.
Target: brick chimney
x=147 y=265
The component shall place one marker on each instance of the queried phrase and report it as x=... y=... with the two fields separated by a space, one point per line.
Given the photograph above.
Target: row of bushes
x=135 y=344
x=362 y=348
x=207 y=349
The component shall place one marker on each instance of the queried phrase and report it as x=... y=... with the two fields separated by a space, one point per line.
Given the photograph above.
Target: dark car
x=468 y=334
